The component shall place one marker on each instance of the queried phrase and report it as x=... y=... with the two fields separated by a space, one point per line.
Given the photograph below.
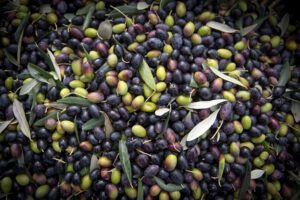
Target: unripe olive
x=246 y=122
x=86 y=182
x=168 y=48
x=127 y=99
x=147 y=91
x=76 y=84
x=122 y=88
x=238 y=127
x=154 y=190
x=189 y=29
x=264 y=155
x=95 y=97
x=271 y=188
x=266 y=107
x=81 y=92
x=243 y=95
x=160 y=86
x=153 y=54
x=161 y=73
x=258 y=162
x=291 y=45
x=137 y=102
x=118 y=28
x=64 y=92
x=204 y=31
x=229 y=158
x=249 y=145
x=243 y=5
x=51 y=18
x=240 y=45
x=170 y=162
x=112 y=60
x=68 y=126
x=148 y=107
x=34 y=147
x=283 y=130
x=130 y=192
x=180 y=9
x=104 y=161
x=197 y=193
x=139 y=131
x=112 y=191
x=258 y=140
x=175 y=195
x=224 y=53
x=42 y=191
x=56 y=146
x=197 y=174
x=183 y=100
x=6 y=184
x=164 y=196
x=22 y=179
x=115 y=176
x=234 y=149
x=90 y=32
x=155 y=97
x=228 y=95
x=140 y=38
x=100 y=5
x=9 y=81
x=76 y=67
x=169 y=21
x=206 y=16
x=275 y=41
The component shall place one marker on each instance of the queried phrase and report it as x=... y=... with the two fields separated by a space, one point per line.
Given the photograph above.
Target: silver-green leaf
x=205 y=104
x=124 y=158
x=226 y=78
x=55 y=65
x=142 y=5
x=284 y=23
x=25 y=89
x=146 y=74
x=256 y=173
x=167 y=187
x=140 y=195
x=203 y=126
x=161 y=111
x=105 y=30
x=221 y=27
x=92 y=123
x=19 y=113
x=248 y=29
x=94 y=163
x=285 y=74
x=4 y=125
x=295 y=108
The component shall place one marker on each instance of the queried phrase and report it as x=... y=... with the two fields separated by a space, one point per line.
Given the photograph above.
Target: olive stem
x=142 y=152
x=217 y=131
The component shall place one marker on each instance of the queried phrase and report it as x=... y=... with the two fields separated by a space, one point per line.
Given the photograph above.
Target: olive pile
x=95 y=100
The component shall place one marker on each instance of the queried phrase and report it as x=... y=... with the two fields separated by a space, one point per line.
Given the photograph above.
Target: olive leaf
x=39 y=74
x=69 y=16
x=124 y=11
x=284 y=23
x=205 y=104
x=87 y=55
x=19 y=114
x=25 y=89
x=295 y=108
x=88 y=16
x=248 y=29
x=256 y=173
x=21 y=160
x=78 y=101
x=107 y=125
x=105 y=30
x=21 y=27
x=84 y=10
x=285 y=74
x=146 y=74
x=94 y=163
x=124 y=158
x=76 y=129
x=142 y=5
x=203 y=126
x=20 y=48
x=54 y=64
x=45 y=8
x=92 y=123
x=193 y=83
x=167 y=187
x=162 y=3
x=221 y=27
x=4 y=125
x=225 y=77
x=10 y=58
x=42 y=121
x=32 y=95
x=183 y=143
x=295 y=177
x=140 y=195
x=58 y=106
x=160 y=112
x=246 y=181
x=221 y=168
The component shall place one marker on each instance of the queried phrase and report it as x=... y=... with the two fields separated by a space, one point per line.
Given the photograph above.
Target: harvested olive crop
x=149 y=99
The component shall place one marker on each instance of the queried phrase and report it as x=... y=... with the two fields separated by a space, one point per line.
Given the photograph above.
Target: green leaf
x=42 y=121
x=246 y=181
x=10 y=58
x=146 y=75
x=78 y=101
x=140 y=195
x=221 y=168
x=25 y=89
x=92 y=123
x=142 y=5
x=193 y=83
x=88 y=16
x=54 y=64
x=295 y=108
x=94 y=163
x=76 y=129
x=227 y=78
x=87 y=55
x=221 y=27
x=20 y=48
x=39 y=73
x=260 y=21
x=205 y=104
x=105 y=30
x=126 y=10
x=248 y=29
x=167 y=187
x=202 y=127
x=21 y=27
x=19 y=113
x=284 y=23
x=124 y=158
x=4 y=125
x=84 y=10
x=162 y=3
x=285 y=74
